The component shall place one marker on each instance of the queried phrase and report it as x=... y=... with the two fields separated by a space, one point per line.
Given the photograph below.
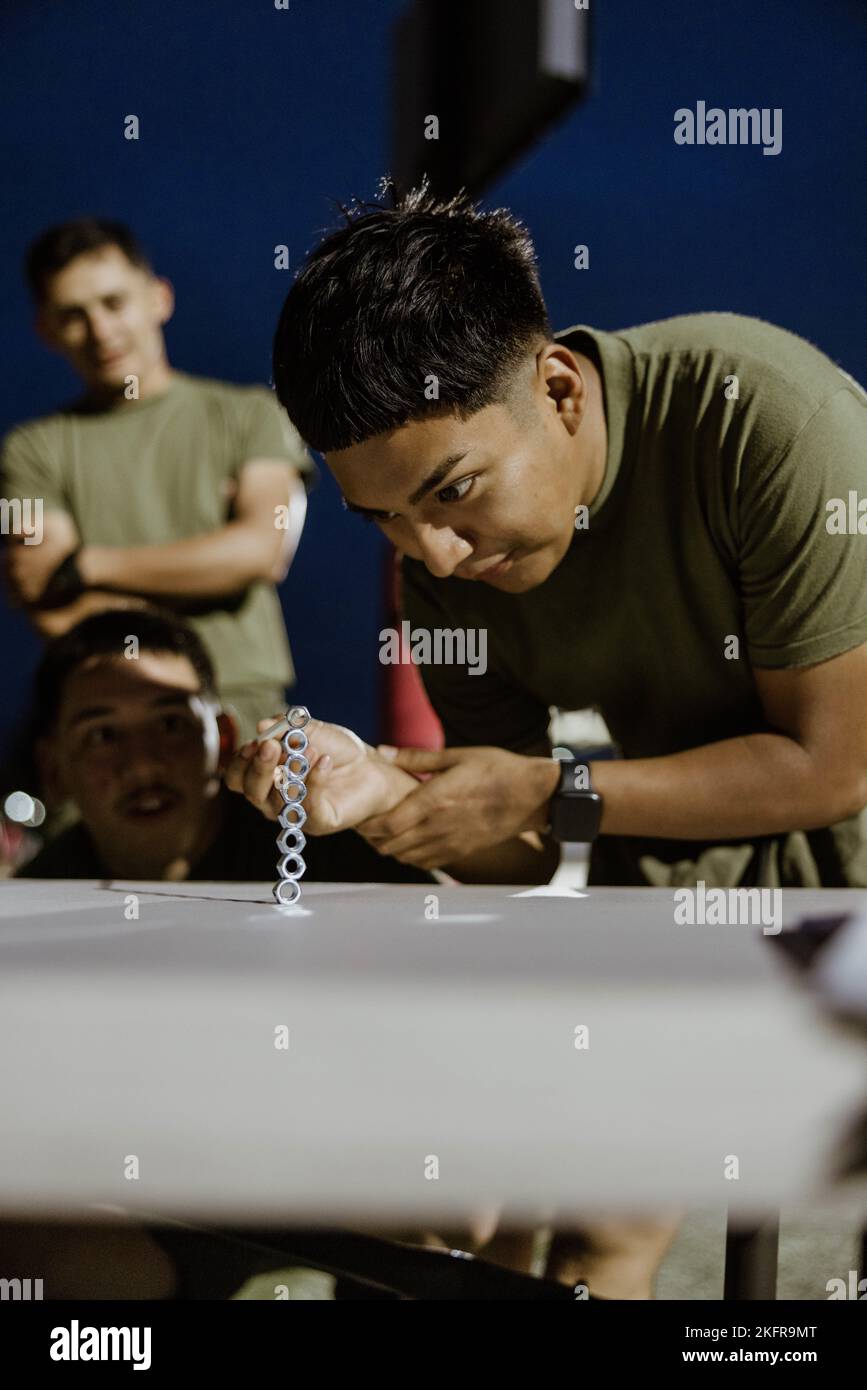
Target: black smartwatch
x=65 y=584
x=576 y=809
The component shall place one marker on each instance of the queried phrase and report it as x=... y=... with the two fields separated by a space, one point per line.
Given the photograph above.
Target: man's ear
x=164 y=298
x=228 y=730
x=43 y=331
x=563 y=382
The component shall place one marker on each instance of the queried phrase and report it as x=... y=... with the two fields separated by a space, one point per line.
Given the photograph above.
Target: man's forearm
x=53 y=622
x=528 y=858
x=760 y=784
x=211 y=565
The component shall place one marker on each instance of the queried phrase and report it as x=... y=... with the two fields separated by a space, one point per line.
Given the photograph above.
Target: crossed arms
x=248 y=548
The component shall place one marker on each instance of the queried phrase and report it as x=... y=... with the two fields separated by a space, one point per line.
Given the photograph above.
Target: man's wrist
x=65 y=584
x=544 y=779
x=395 y=783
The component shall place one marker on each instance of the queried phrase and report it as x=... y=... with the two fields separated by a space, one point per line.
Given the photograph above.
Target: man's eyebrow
x=73 y=306
x=433 y=479
x=93 y=712
x=105 y=711
x=360 y=511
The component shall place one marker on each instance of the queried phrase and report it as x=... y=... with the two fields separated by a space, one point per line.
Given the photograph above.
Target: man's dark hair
x=55 y=248
x=397 y=297
x=105 y=634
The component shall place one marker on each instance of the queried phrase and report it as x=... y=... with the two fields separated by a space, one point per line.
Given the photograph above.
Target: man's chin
x=109 y=379
x=147 y=857
x=145 y=870
x=527 y=573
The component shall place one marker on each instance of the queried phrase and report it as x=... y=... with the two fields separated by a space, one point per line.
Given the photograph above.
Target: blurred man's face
x=491 y=498
x=105 y=316
x=129 y=749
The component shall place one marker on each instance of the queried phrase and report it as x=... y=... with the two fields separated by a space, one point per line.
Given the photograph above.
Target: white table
x=410 y=1040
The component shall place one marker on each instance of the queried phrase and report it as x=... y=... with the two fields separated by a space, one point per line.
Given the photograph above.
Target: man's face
x=105 y=316
x=129 y=750
x=490 y=498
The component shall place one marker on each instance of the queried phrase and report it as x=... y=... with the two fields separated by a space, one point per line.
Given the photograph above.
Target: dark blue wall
x=252 y=119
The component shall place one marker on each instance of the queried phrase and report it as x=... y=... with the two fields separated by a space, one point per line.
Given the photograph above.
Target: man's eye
x=100 y=736
x=174 y=723
x=457 y=490
x=113 y=301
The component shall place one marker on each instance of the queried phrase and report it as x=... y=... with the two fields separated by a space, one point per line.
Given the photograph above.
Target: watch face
x=575 y=818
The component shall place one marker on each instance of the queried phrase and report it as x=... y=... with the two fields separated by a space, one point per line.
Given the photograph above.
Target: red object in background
x=408 y=716
x=17 y=846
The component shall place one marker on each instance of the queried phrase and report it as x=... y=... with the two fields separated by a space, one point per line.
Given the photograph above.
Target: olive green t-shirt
x=163 y=469
x=707 y=553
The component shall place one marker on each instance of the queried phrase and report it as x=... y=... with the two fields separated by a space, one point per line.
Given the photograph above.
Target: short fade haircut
x=104 y=634
x=400 y=295
x=59 y=245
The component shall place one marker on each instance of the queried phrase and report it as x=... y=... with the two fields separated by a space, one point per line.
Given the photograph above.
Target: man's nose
x=442 y=549
x=99 y=327
x=141 y=753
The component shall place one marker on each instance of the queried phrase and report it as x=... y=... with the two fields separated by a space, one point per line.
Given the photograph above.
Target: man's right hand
x=347 y=783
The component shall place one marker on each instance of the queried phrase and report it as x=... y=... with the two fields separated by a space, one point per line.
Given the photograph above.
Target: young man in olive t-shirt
x=663 y=522
x=156 y=484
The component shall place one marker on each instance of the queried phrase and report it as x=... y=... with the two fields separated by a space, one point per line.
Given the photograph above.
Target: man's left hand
x=29 y=567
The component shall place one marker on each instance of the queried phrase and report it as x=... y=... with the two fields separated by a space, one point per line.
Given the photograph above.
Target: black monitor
x=487 y=77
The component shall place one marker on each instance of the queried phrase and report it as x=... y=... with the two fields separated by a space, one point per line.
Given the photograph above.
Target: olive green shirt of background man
x=727 y=440
x=162 y=469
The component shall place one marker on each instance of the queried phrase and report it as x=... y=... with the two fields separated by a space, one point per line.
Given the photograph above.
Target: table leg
x=751 y=1260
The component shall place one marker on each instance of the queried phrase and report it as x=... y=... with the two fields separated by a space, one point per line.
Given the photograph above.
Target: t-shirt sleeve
x=804 y=588
x=482 y=706
x=28 y=468
x=268 y=433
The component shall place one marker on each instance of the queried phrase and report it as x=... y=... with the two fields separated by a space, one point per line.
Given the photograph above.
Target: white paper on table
x=550 y=890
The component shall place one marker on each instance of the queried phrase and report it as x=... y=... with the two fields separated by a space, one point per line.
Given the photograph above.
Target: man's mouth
x=492 y=570
x=150 y=802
